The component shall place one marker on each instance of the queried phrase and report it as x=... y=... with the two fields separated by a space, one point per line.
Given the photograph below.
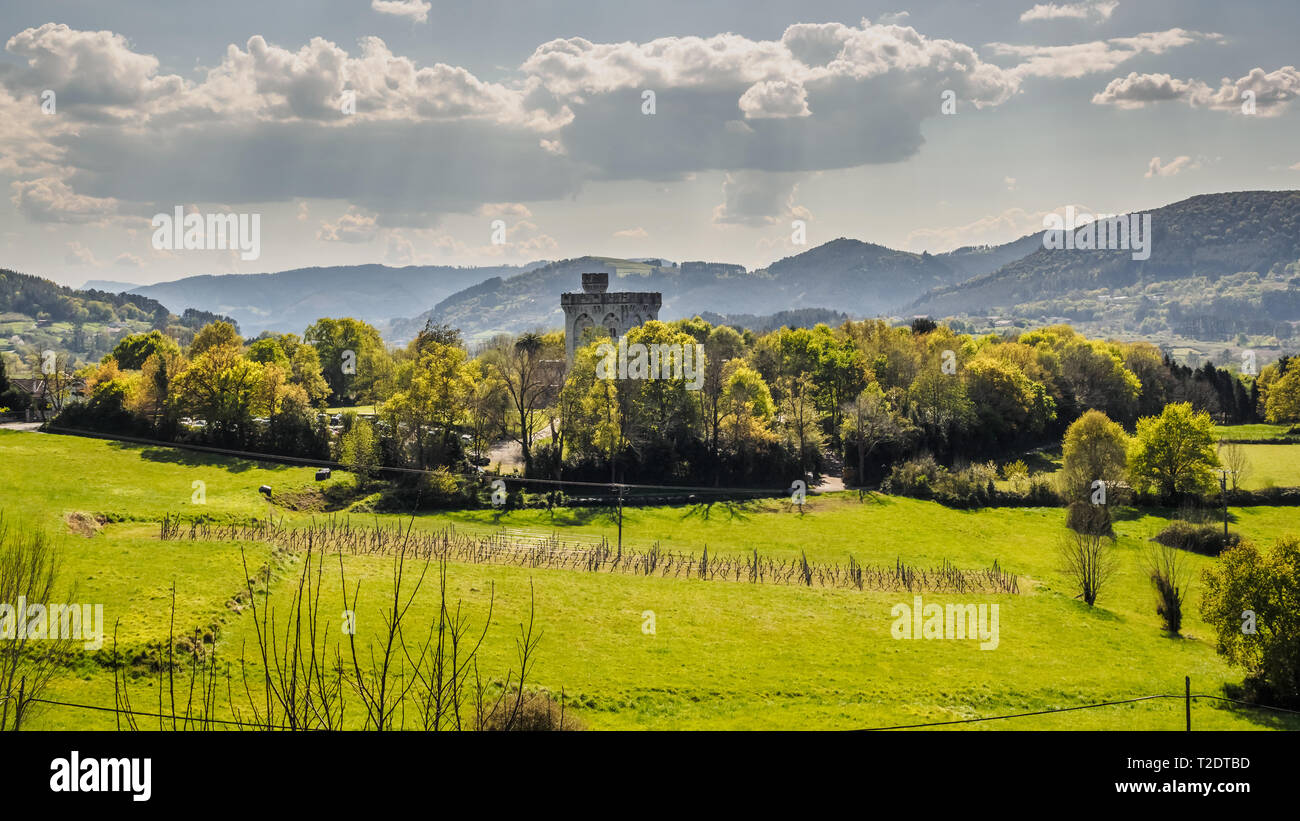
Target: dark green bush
x=1206 y=539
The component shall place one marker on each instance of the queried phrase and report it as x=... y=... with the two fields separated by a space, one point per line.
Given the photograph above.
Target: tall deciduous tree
x=530 y=370
x=1095 y=448
x=870 y=421
x=1173 y=453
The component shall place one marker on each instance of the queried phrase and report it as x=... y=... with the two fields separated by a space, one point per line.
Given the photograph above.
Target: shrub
x=1250 y=598
x=1089 y=519
x=1206 y=539
x=1169 y=576
x=534 y=711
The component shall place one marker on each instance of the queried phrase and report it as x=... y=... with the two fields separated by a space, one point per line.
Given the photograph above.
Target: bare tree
x=29 y=566
x=527 y=369
x=1233 y=456
x=1088 y=561
x=873 y=423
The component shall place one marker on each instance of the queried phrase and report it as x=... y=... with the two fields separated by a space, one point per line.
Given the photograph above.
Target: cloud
x=417 y=10
x=514 y=210
x=775 y=98
x=266 y=123
x=51 y=200
x=756 y=198
x=1010 y=183
x=1295 y=167
x=128 y=260
x=1081 y=59
x=858 y=93
x=1273 y=91
x=1156 y=169
x=895 y=18
x=1095 y=11
x=1136 y=90
x=353 y=226
x=79 y=254
x=994 y=229
x=399 y=250
x=87 y=69
x=632 y=233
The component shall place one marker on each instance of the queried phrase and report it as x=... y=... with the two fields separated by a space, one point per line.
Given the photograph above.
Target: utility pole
x=1187 y=683
x=1223 y=494
x=620 y=518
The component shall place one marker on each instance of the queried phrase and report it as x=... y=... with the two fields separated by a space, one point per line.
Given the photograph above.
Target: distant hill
x=974 y=260
x=291 y=300
x=111 y=286
x=1211 y=236
x=39 y=298
x=800 y=318
x=37 y=314
x=859 y=278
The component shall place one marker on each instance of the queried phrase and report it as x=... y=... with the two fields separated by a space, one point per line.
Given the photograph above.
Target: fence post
x=1187 y=683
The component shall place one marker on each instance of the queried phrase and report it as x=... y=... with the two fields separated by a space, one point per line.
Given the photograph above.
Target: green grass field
x=1258 y=431
x=1272 y=466
x=1269 y=465
x=724 y=654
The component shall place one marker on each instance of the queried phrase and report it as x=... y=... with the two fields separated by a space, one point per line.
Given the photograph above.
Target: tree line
x=770 y=408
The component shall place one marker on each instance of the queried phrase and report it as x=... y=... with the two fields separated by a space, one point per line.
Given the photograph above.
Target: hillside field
x=723 y=655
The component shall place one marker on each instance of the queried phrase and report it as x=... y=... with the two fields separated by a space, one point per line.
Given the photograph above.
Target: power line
x=123 y=711
x=1081 y=707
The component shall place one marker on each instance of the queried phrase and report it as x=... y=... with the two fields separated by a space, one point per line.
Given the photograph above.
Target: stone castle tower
x=617 y=312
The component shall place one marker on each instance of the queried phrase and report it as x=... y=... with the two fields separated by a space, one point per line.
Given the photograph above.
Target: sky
x=502 y=132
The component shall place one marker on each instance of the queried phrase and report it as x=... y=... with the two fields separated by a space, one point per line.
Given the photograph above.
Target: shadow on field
x=190 y=458
x=583 y=515
x=703 y=510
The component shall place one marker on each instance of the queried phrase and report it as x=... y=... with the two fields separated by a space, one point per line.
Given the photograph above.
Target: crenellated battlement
x=617 y=312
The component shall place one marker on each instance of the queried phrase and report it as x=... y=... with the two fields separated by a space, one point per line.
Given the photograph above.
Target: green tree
x=359 y=450
x=747 y=407
x=353 y=358
x=1283 y=402
x=214 y=335
x=223 y=388
x=1250 y=598
x=132 y=350
x=722 y=345
x=431 y=399
x=1173 y=453
x=268 y=351
x=1094 y=448
x=529 y=369
x=153 y=397
x=870 y=421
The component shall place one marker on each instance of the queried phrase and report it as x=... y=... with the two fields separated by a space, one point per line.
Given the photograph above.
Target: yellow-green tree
x=1250 y=599
x=431 y=399
x=1095 y=448
x=1173 y=453
x=222 y=387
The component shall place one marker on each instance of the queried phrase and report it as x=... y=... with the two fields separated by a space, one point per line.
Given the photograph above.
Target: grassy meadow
x=723 y=654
